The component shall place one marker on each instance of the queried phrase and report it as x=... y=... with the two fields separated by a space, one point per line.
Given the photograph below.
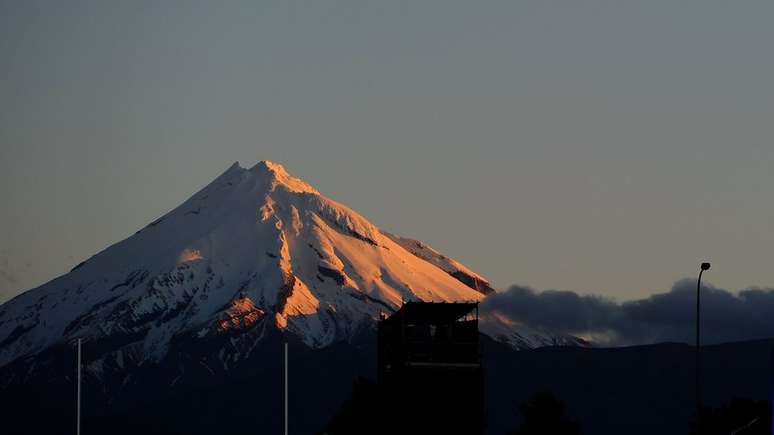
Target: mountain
x=257 y=250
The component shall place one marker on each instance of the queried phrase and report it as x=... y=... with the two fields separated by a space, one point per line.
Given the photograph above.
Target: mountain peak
x=270 y=166
x=277 y=174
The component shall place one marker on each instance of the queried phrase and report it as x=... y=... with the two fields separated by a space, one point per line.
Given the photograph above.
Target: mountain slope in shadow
x=633 y=390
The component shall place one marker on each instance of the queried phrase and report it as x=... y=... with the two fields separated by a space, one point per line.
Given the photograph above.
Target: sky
x=604 y=147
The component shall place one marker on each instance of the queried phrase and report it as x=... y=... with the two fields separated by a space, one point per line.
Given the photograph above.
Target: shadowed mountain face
x=245 y=399
x=636 y=390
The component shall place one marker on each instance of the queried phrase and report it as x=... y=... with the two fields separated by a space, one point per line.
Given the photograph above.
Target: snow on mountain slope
x=256 y=248
x=449 y=265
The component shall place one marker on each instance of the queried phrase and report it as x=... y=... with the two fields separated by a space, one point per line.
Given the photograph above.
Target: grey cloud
x=660 y=317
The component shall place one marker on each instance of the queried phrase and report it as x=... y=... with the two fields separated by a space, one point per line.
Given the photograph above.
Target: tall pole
x=78 y=398
x=286 y=388
x=704 y=266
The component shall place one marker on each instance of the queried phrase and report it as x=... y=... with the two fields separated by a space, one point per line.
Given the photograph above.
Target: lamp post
x=286 y=386
x=704 y=266
x=78 y=395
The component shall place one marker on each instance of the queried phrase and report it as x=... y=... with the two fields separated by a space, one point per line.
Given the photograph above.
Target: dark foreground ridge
x=634 y=390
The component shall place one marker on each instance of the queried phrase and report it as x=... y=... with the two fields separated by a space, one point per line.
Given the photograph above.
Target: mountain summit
x=255 y=250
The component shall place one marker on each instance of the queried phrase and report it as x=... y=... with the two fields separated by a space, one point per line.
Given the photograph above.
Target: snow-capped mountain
x=256 y=249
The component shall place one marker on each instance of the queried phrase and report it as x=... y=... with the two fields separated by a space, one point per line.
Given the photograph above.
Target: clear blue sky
x=600 y=146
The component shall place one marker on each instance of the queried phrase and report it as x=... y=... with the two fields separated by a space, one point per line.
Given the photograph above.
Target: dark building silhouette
x=429 y=369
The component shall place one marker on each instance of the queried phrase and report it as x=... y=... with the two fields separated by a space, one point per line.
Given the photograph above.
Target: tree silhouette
x=358 y=415
x=544 y=414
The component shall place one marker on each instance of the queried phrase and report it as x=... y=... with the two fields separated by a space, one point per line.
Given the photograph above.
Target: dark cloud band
x=661 y=317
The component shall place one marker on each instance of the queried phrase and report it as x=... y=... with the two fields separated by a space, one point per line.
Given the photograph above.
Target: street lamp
x=704 y=266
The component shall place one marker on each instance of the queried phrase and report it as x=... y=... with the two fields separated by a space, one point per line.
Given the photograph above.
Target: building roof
x=428 y=313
